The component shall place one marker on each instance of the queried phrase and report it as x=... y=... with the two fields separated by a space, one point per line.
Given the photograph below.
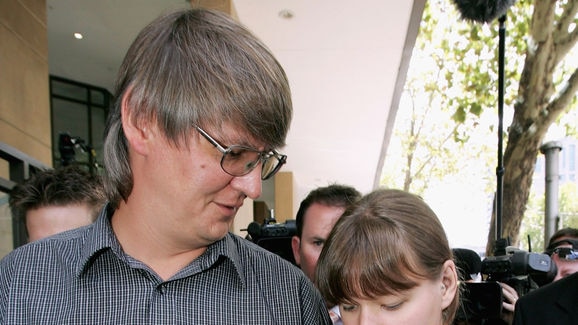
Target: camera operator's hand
x=510 y=297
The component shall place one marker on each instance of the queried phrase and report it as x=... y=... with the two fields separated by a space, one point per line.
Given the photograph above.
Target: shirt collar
x=100 y=238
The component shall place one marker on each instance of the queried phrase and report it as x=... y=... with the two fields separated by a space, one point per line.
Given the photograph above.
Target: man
x=554 y=303
x=317 y=214
x=315 y=218
x=201 y=107
x=54 y=200
x=563 y=249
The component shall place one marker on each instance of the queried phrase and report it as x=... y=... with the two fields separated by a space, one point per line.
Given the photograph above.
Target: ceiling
x=346 y=62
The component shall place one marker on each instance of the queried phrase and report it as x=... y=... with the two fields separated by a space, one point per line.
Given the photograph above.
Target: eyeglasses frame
x=263 y=155
x=573 y=254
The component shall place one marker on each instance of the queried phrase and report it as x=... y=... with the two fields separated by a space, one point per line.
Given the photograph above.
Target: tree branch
x=536 y=82
x=564 y=45
x=567 y=17
x=542 y=20
x=564 y=97
x=564 y=40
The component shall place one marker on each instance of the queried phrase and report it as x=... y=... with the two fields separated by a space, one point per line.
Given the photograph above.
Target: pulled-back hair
x=195 y=67
x=384 y=244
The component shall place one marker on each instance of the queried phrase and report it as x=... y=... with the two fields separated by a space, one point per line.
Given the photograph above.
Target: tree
x=533 y=224
x=551 y=36
x=431 y=142
x=540 y=87
x=429 y=149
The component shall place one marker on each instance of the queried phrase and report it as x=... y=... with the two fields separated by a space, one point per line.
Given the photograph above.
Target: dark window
x=78 y=113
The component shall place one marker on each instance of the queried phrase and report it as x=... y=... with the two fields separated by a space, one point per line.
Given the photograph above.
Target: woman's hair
x=195 y=68
x=383 y=245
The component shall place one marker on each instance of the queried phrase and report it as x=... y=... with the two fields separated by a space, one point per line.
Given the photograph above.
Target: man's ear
x=295 y=244
x=449 y=283
x=136 y=130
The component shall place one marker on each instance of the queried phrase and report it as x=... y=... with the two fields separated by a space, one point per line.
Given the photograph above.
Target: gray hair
x=195 y=67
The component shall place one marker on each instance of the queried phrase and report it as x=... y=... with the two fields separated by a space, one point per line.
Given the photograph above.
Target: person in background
x=54 y=200
x=315 y=218
x=201 y=108
x=469 y=265
x=387 y=261
x=554 y=303
x=317 y=214
x=563 y=249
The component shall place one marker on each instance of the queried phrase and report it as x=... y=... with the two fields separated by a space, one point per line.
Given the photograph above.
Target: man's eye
x=319 y=243
x=236 y=153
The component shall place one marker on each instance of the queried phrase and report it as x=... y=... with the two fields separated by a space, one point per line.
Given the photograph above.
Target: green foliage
x=450 y=102
x=533 y=222
x=568 y=205
x=532 y=229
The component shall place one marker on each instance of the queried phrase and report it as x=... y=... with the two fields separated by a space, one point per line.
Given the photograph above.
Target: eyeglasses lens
x=270 y=167
x=239 y=161
x=566 y=253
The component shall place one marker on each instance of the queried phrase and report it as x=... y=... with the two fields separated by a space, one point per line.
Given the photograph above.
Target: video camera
x=274 y=237
x=518 y=269
x=67 y=146
x=521 y=270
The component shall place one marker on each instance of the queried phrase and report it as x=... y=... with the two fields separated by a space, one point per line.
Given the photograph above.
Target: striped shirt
x=84 y=277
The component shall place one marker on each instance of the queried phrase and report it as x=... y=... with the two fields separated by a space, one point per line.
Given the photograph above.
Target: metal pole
x=551 y=151
x=500 y=168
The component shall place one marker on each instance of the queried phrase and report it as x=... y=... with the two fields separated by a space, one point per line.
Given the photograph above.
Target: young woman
x=387 y=261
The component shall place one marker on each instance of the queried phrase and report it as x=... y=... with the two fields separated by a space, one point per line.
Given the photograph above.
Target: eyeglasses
x=240 y=160
x=566 y=253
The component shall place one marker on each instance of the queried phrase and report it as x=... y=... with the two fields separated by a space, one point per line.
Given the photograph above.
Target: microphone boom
x=482 y=11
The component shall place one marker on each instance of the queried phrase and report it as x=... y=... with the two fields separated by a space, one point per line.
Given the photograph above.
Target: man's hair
x=334 y=195
x=62 y=186
x=195 y=68
x=383 y=244
x=564 y=235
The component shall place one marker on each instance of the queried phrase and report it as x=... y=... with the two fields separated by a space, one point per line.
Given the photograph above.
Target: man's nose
x=250 y=184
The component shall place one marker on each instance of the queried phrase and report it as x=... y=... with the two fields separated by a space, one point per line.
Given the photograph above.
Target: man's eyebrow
x=245 y=141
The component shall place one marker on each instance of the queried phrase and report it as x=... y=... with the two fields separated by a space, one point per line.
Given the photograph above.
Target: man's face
x=188 y=196
x=565 y=267
x=318 y=222
x=49 y=220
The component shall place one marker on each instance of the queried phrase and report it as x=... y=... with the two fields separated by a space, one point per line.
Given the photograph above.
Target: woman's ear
x=449 y=283
x=137 y=131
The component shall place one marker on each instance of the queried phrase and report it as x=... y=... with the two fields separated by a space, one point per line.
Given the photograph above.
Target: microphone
x=468 y=262
x=482 y=11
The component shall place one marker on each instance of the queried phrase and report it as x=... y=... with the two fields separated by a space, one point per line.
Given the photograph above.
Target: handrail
x=21 y=166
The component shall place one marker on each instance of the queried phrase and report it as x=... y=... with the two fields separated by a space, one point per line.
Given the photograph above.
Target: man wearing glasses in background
x=201 y=106
x=554 y=303
x=563 y=249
